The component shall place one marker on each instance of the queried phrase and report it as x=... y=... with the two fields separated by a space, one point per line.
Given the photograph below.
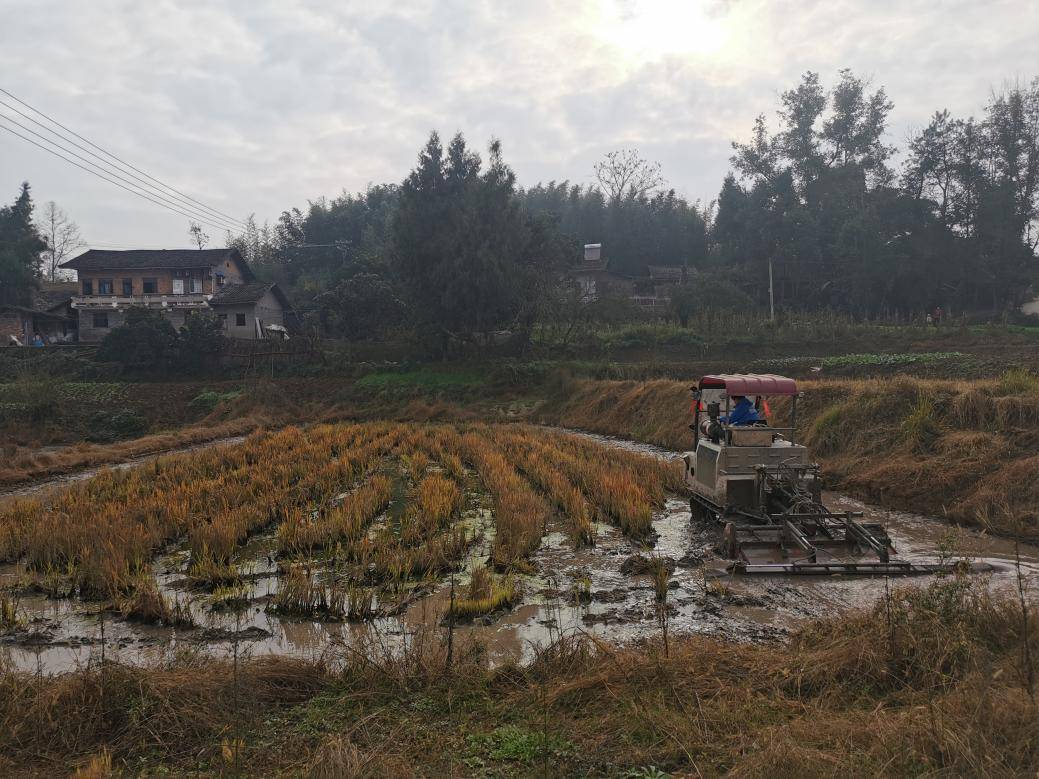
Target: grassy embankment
x=965 y=450
x=937 y=682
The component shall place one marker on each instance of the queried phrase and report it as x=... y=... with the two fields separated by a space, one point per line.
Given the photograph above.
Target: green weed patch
x=422 y=380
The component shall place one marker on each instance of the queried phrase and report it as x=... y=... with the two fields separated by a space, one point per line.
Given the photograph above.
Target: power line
x=110 y=181
x=119 y=160
x=194 y=214
x=93 y=245
x=184 y=201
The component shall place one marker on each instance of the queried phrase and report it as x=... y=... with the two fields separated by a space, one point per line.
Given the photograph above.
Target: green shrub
x=517 y=744
x=66 y=362
x=146 y=341
x=648 y=335
x=33 y=399
x=207 y=400
x=200 y=342
x=420 y=381
x=513 y=373
x=107 y=426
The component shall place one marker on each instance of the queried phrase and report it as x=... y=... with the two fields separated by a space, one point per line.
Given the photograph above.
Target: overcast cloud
x=255 y=106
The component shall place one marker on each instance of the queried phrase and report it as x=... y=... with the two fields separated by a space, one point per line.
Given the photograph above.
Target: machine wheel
x=699 y=514
x=696 y=512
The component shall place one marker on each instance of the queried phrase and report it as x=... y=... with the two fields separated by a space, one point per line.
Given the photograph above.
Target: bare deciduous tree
x=62 y=236
x=197 y=235
x=625 y=173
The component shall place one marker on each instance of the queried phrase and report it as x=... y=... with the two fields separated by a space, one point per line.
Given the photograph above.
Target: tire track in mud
x=789 y=600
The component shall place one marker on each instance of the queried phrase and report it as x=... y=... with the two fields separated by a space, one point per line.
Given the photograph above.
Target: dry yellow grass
x=485 y=594
x=147 y=604
x=958 y=449
x=520 y=513
x=330 y=490
x=26 y=466
x=931 y=681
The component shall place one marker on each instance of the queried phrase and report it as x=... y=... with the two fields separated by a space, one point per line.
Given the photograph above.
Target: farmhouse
x=594 y=280
x=176 y=282
x=49 y=316
x=651 y=292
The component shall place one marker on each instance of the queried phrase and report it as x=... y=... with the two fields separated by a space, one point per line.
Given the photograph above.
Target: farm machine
x=758 y=486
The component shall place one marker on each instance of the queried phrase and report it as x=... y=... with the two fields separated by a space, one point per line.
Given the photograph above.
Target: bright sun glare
x=644 y=28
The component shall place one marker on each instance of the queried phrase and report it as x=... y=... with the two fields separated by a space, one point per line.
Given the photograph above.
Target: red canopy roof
x=750 y=384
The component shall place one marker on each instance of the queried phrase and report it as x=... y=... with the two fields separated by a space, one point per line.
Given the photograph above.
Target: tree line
x=821 y=202
x=817 y=200
x=32 y=250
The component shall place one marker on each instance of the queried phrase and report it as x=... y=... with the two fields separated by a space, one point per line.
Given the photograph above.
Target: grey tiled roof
x=235 y=294
x=105 y=259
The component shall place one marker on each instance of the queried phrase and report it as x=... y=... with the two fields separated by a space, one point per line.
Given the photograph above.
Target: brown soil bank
x=968 y=451
x=936 y=682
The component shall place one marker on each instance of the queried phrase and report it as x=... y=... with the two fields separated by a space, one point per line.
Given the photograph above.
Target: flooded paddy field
x=561 y=530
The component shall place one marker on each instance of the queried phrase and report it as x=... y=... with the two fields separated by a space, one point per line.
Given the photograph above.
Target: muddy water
x=571 y=591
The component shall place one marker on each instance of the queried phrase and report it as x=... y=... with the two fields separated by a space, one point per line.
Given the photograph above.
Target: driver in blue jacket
x=743 y=412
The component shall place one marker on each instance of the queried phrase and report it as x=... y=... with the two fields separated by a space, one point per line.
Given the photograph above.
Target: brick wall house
x=247 y=310
x=175 y=282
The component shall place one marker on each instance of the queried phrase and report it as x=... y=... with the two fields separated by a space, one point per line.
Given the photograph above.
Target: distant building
x=590 y=275
x=593 y=280
x=175 y=282
x=653 y=291
x=50 y=316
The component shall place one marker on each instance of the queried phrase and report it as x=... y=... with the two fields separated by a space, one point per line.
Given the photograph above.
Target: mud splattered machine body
x=759 y=486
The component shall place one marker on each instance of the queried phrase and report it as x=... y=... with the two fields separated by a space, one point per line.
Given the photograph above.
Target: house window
x=101 y=320
x=105 y=287
x=220 y=279
x=196 y=285
x=178 y=286
x=239 y=320
x=88 y=287
x=127 y=287
x=150 y=286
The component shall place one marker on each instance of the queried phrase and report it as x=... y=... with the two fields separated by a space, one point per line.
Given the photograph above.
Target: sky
x=256 y=106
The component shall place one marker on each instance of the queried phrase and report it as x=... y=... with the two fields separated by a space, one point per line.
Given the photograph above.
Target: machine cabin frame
x=728 y=463
x=724 y=386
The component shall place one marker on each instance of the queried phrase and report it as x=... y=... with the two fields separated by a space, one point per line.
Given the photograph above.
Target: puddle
x=62 y=634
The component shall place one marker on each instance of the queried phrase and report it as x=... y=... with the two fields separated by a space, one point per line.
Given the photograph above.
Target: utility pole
x=771 y=294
